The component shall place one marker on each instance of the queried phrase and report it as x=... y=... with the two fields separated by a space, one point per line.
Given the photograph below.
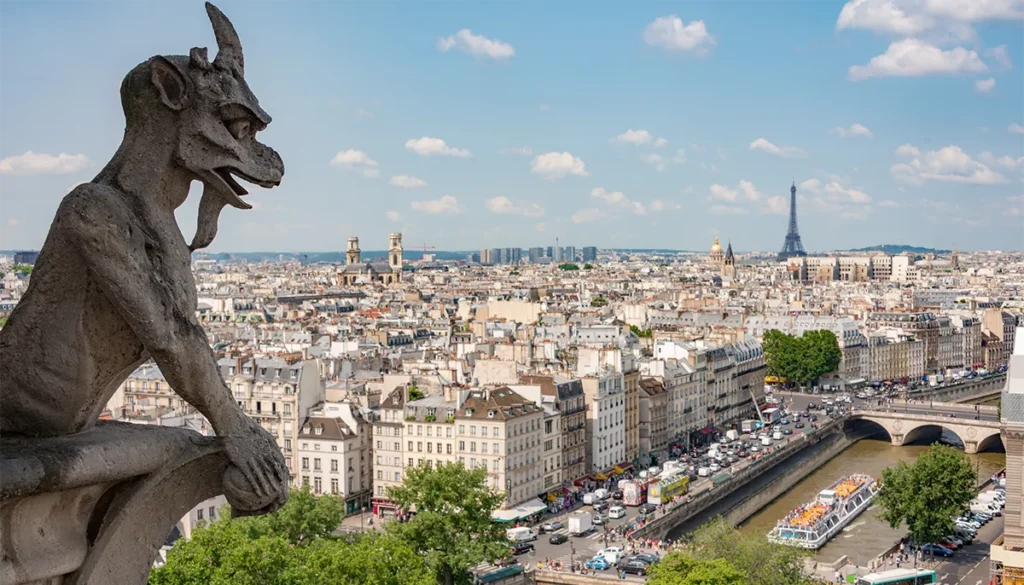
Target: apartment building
x=279 y=394
x=922 y=325
x=569 y=400
x=654 y=432
x=970 y=329
x=894 y=355
x=430 y=431
x=1002 y=325
x=606 y=421
x=631 y=385
x=335 y=454
x=388 y=454
x=502 y=431
x=552 y=445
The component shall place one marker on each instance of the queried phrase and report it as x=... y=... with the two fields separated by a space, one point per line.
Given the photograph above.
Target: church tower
x=353 y=251
x=716 y=256
x=395 y=254
x=729 y=264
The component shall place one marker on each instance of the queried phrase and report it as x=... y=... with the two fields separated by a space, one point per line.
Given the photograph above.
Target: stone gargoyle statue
x=113 y=285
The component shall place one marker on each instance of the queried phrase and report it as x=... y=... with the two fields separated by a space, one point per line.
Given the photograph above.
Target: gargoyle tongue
x=210 y=206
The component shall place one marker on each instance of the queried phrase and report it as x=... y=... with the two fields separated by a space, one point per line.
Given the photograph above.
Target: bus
x=668 y=486
x=899 y=577
x=634 y=493
x=499 y=575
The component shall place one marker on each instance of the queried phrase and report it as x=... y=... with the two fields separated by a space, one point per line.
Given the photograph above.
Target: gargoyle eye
x=239 y=128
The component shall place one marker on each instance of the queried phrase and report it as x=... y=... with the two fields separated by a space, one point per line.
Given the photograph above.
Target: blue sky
x=616 y=124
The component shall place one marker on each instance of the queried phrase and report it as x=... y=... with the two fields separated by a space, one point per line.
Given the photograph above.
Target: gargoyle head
x=216 y=118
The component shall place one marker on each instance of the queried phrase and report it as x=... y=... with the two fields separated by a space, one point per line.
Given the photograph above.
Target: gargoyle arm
x=97 y=219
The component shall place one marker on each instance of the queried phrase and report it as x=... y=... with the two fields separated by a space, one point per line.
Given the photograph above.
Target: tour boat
x=812 y=525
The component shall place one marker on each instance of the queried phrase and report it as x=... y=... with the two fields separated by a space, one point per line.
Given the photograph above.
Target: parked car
x=598 y=563
x=799 y=425
x=787 y=431
x=601 y=506
x=519 y=548
x=648 y=508
x=552 y=526
x=633 y=566
x=649 y=558
x=937 y=550
x=600 y=519
x=558 y=538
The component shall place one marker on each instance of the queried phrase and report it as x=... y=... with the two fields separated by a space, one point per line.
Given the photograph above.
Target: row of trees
x=801 y=359
x=451 y=532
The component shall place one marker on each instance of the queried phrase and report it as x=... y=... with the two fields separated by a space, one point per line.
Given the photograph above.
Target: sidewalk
x=361 y=523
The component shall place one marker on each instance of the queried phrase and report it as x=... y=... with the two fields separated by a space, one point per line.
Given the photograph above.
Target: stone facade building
x=388 y=453
x=606 y=421
x=570 y=402
x=334 y=451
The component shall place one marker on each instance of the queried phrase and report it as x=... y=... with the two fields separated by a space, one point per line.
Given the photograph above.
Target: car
x=951 y=542
x=558 y=538
x=799 y=425
x=787 y=431
x=617 y=495
x=611 y=550
x=617 y=512
x=598 y=564
x=648 y=508
x=600 y=519
x=812 y=406
x=936 y=550
x=601 y=506
x=632 y=566
x=552 y=526
x=813 y=418
x=785 y=421
x=519 y=548
x=649 y=558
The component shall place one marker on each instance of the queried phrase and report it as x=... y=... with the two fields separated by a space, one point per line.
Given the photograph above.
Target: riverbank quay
x=827 y=441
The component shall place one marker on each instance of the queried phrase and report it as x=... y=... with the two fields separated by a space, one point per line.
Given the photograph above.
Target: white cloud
x=587 y=215
x=427 y=146
x=13 y=223
x=660 y=142
x=662 y=205
x=672 y=34
x=505 y=206
x=949 y=164
x=853 y=130
x=914 y=58
x=777 y=205
x=985 y=85
x=522 y=150
x=888 y=203
x=476 y=45
x=556 y=165
x=540 y=227
x=812 y=185
x=446 y=205
x=727 y=210
x=1000 y=56
x=407 y=181
x=357 y=160
x=393 y=215
x=840 y=194
x=656 y=160
x=636 y=137
x=1015 y=128
x=882 y=16
x=1003 y=161
x=32 y=163
x=618 y=199
x=938 y=19
x=783 y=151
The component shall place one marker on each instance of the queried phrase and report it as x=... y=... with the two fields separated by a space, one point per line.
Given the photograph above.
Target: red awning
x=705 y=431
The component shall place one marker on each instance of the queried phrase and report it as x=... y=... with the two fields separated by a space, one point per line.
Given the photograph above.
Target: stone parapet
x=95 y=508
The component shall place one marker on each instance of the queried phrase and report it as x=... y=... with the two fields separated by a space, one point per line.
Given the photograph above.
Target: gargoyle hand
x=257 y=481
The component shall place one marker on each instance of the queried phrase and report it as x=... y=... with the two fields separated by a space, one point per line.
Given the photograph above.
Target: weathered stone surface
x=112 y=287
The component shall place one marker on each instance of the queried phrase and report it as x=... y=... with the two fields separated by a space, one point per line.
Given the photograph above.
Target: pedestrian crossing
x=596 y=534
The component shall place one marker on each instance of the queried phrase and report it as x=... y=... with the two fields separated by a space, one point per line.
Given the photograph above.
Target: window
x=380 y=460
x=316 y=464
x=199 y=514
x=430 y=447
x=494 y=465
x=496 y=432
x=287 y=409
x=462 y=429
x=334 y=466
x=472 y=446
x=316 y=446
x=305 y=464
x=410 y=445
x=448 y=432
x=472 y=430
x=334 y=447
x=410 y=462
x=380 y=474
x=398 y=446
x=472 y=462
x=305 y=481
x=449 y=448
x=419 y=446
x=462 y=446
x=287 y=444
x=317 y=486
x=379 y=445
x=439 y=448
x=419 y=429
x=334 y=485
x=428 y=430
x=398 y=476
x=305 y=446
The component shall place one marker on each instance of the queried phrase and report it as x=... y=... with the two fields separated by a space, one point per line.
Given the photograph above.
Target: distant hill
x=899 y=249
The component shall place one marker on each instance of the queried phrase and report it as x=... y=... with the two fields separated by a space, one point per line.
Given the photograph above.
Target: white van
x=521 y=534
x=777 y=436
x=617 y=512
x=985 y=508
x=602 y=494
x=766 y=441
x=589 y=498
x=992 y=496
x=703 y=472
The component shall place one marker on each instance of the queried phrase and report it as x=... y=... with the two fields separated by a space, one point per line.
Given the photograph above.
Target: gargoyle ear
x=174 y=87
x=198 y=58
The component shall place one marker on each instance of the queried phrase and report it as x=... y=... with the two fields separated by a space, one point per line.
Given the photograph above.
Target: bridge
x=977 y=427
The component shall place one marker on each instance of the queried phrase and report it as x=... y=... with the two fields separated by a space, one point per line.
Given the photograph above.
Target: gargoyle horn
x=229 y=47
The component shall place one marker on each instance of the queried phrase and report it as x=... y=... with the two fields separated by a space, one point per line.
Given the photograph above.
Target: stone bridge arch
x=976 y=435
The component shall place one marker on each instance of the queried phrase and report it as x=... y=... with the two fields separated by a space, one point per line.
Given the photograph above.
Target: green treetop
x=801 y=359
x=928 y=493
x=452 y=526
x=568 y=266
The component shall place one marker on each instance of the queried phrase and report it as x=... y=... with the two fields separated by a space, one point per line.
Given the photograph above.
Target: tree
x=598 y=302
x=801 y=359
x=588 y=266
x=929 y=493
x=294 y=546
x=640 y=332
x=679 y=568
x=759 y=561
x=568 y=266
x=452 y=526
x=415 y=393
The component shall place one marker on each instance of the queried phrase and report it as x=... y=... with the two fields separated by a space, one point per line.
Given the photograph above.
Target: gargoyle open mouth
x=235 y=190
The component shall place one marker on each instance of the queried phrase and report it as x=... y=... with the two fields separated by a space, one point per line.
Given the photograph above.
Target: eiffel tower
x=792 y=246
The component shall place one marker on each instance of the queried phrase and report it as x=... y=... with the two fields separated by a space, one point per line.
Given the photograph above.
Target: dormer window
x=320 y=430
x=490 y=414
x=305 y=429
x=263 y=371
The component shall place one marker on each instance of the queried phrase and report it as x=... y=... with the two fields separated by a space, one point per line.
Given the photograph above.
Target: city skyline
x=473 y=126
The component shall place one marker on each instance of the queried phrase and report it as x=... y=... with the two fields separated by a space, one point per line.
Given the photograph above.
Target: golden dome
x=716 y=248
